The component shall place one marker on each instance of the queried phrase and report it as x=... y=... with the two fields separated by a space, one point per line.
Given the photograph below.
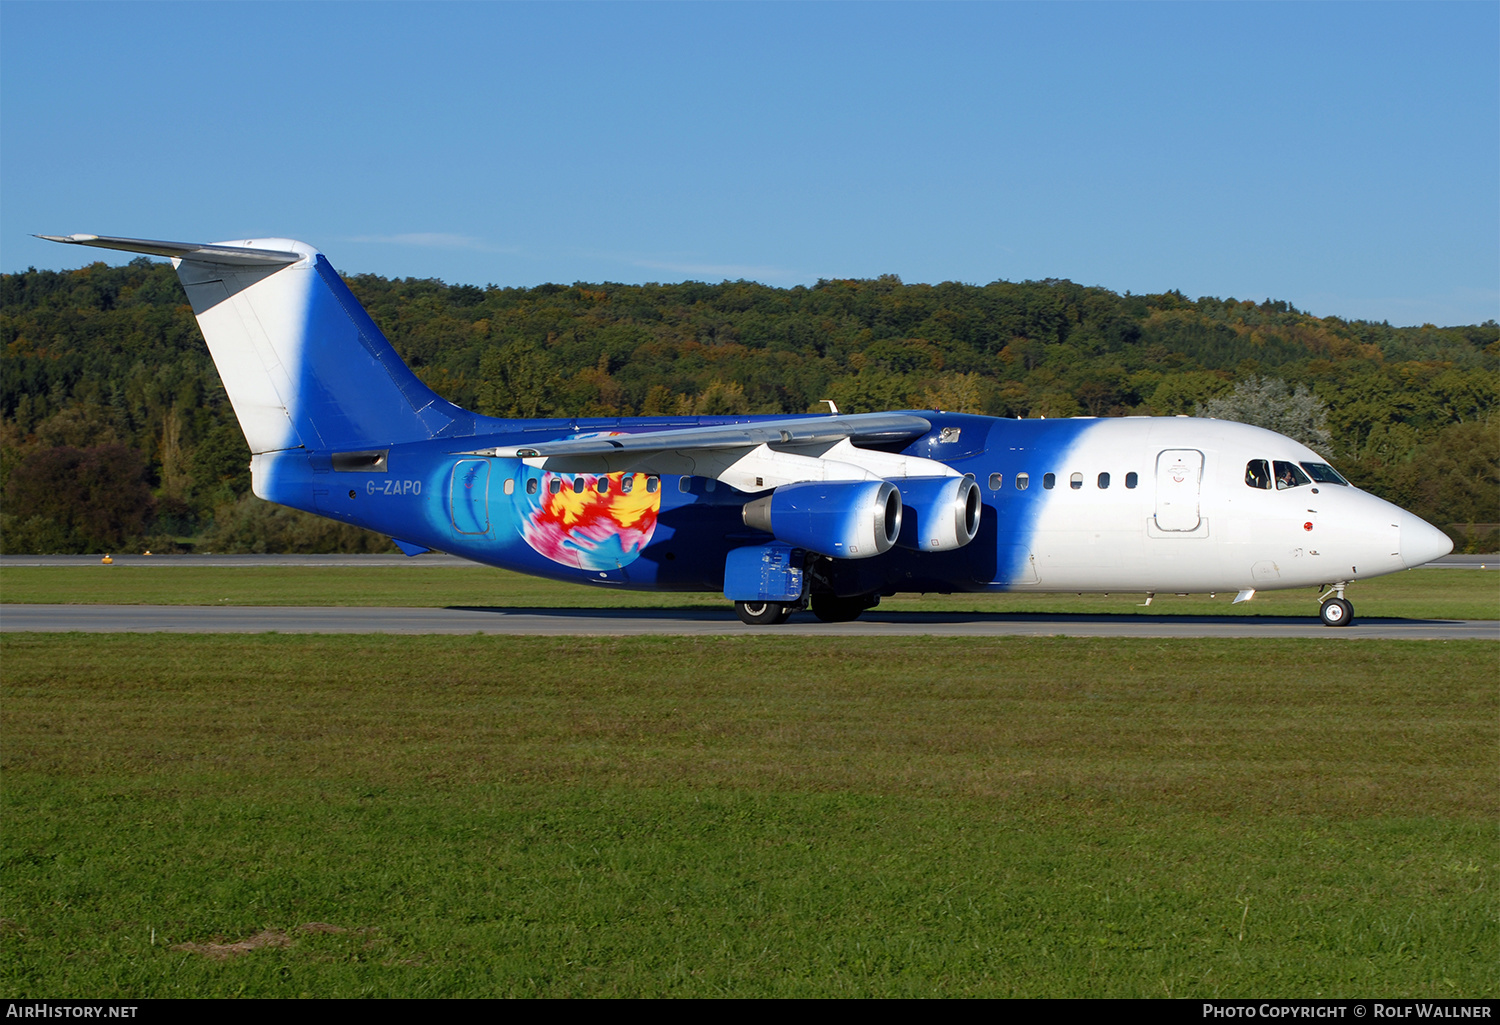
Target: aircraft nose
x=1421 y=542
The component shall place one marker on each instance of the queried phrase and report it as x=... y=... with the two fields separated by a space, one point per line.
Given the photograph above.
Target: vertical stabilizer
x=303 y=363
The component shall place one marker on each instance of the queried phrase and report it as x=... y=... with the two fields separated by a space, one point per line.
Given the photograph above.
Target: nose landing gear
x=1335 y=610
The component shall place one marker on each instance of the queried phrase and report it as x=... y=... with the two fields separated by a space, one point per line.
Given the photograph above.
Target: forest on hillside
x=116 y=434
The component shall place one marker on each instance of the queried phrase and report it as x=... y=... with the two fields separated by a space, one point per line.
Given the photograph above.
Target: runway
x=699 y=623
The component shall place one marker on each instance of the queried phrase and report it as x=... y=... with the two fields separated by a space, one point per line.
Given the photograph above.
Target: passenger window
x=1023 y=481
x=627 y=483
x=996 y=481
x=652 y=485
x=1132 y=479
x=531 y=486
x=1324 y=474
x=1289 y=475
x=555 y=485
x=1076 y=482
x=510 y=486
x=1258 y=474
x=578 y=485
x=602 y=485
x=710 y=484
x=683 y=484
x=1049 y=481
x=1103 y=481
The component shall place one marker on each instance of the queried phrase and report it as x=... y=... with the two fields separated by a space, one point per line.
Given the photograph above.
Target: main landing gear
x=763 y=613
x=1335 y=610
x=827 y=607
x=832 y=609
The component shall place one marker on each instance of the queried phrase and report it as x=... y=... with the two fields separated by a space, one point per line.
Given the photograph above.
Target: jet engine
x=940 y=513
x=843 y=519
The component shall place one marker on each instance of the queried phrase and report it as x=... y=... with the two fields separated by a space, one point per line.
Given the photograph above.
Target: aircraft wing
x=865 y=427
x=752 y=457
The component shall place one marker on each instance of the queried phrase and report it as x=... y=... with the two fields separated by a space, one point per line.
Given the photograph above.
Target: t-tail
x=304 y=365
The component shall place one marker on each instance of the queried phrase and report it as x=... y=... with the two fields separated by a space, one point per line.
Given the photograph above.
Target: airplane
x=780 y=513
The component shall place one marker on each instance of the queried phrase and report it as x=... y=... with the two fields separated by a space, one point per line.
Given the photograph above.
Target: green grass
x=1421 y=594
x=751 y=816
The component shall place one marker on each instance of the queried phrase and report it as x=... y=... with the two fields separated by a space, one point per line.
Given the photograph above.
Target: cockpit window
x=1258 y=474
x=1288 y=475
x=1324 y=474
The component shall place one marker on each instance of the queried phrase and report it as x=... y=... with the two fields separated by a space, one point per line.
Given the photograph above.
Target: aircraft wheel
x=1336 y=612
x=762 y=613
x=831 y=609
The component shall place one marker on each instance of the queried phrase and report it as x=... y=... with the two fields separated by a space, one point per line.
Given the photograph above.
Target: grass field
x=422 y=816
x=1421 y=594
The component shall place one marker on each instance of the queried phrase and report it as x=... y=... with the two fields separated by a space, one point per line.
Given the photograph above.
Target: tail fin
x=303 y=363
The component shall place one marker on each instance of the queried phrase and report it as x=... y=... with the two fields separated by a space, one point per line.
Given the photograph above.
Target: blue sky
x=1343 y=156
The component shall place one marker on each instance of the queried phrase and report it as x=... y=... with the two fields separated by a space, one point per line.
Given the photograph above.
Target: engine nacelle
x=940 y=513
x=844 y=519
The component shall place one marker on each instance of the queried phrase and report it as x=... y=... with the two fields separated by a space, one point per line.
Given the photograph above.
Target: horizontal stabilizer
x=201 y=253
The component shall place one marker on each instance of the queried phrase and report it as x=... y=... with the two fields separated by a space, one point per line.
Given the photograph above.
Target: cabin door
x=1179 y=477
x=469 y=497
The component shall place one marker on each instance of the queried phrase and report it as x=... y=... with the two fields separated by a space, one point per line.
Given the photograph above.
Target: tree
x=721 y=399
x=517 y=380
x=255 y=526
x=1186 y=391
x=111 y=354
x=870 y=391
x=1452 y=482
x=95 y=499
x=1267 y=402
x=956 y=393
x=220 y=466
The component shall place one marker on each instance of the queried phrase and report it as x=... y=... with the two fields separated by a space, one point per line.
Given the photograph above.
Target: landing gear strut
x=1335 y=611
x=763 y=613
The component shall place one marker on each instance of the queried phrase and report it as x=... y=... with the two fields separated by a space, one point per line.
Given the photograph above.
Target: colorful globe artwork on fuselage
x=593 y=521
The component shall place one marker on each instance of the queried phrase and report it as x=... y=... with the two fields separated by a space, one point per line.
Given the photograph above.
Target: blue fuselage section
x=439 y=495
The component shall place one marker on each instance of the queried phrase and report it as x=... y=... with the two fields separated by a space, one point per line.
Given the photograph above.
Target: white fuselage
x=1192 y=522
